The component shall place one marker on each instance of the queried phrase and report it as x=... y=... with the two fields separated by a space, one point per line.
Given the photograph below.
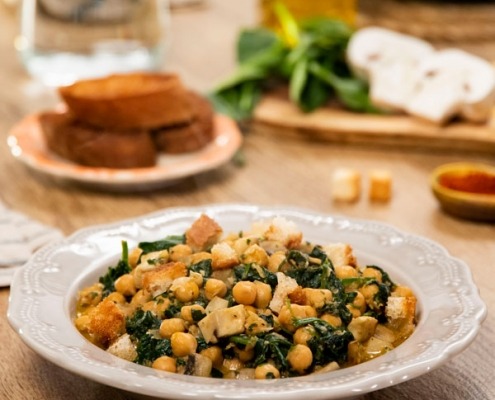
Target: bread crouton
x=106 y=322
x=286 y=285
x=340 y=254
x=401 y=308
x=278 y=230
x=380 y=185
x=363 y=327
x=346 y=185
x=160 y=279
x=223 y=256
x=203 y=233
x=123 y=348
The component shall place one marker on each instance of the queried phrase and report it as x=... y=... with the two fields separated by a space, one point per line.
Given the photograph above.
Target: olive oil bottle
x=344 y=10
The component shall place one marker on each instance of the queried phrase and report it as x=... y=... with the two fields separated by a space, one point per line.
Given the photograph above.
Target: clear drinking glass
x=62 y=41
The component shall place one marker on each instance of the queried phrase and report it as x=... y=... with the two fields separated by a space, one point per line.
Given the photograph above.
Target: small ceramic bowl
x=466 y=190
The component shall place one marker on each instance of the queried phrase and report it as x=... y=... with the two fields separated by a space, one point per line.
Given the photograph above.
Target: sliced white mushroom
x=373 y=47
x=393 y=85
x=223 y=322
x=285 y=286
x=406 y=74
x=438 y=97
x=473 y=76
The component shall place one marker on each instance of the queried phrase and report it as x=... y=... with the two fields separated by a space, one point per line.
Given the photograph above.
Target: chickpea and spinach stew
x=262 y=304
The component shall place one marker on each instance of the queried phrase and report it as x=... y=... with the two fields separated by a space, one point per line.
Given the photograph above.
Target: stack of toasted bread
x=125 y=121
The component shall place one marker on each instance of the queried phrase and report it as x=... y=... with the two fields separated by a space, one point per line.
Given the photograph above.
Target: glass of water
x=62 y=41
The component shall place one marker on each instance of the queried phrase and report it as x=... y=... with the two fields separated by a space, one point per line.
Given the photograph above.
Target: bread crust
x=106 y=148
x=128 y=101
x=191 y=136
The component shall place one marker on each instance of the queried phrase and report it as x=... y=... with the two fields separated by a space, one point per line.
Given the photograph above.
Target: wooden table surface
x=277 y=172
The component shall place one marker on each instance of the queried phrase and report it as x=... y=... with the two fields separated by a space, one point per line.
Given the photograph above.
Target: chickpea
x=82 y=323
x=214 y=353
x=157 y=306
x=266 y=371
x=244 y=292
x=183 y=344
x=303 y=335
x=140 y=298
x=170 y=326
x=134 y=257
x=287 y=315
x=346 y=271
x=180 y=252
x=197 y=278
x=116 y=297
x=197 y=257
x=165 y=363
x=263 y=294
x=255 y=254
x=232 y=364
x=276 y=260
x=186 y=312
x=244 y=354
x=369 y=292
x=402 y=291
x=300 y=358
x=241 y=245
x=358 y=305
x=317 y=297
x=91 y=295
x=372 y=273
x=188 y=291
x=332 y=319
x=215 y=287
x=125 y=285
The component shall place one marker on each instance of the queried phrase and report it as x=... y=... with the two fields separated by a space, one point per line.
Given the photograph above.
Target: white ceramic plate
x=450 y=310
x=27 y=144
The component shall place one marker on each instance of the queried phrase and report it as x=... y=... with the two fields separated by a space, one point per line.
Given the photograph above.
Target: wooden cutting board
x=276 y=115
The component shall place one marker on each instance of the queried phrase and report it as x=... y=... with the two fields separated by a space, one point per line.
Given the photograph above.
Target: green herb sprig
x=309 y=57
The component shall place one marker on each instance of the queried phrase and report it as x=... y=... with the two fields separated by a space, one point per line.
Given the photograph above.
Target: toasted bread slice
x=128 y=101
x=95 y=147
x=190 y=136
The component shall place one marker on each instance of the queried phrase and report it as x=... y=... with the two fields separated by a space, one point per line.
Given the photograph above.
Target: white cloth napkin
x=20 y=237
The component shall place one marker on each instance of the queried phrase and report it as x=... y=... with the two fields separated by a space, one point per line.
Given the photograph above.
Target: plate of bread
x=127 y=131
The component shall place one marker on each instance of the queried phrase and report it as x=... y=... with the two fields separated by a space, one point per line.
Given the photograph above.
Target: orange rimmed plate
x=27 y=144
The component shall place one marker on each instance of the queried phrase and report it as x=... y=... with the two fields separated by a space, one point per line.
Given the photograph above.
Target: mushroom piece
x=439 y=96
x=374 y=48
x=457 y=81
x=388 y=60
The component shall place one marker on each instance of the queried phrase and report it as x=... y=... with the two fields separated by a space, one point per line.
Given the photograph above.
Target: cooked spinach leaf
x=202 y=267
x=150 y=348
x=252 y=272
x=271 y=346
x=165 y=244
x=141 y=322
x=328 y=343
x=113 y=273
